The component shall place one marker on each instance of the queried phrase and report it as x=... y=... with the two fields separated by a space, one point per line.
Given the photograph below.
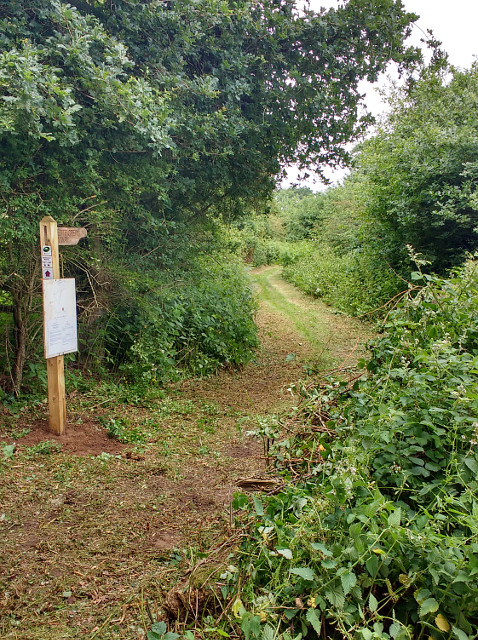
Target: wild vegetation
x=147 y=121
x=374 y=532
x=375 y=535
x=413 y=184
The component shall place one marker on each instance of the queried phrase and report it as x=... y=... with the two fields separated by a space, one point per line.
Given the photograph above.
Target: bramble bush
x=377 y=536
x=195 y=325
x=356 y=282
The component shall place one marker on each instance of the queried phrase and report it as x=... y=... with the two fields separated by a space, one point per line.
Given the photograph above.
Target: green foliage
x=120 y=429
x=427 y=362
x=340 y=261
x=302 y=211
x=205 y=322
x=356 y=282
x=159 y=632
x=419 y=170
x=44 y=448
x=8 y=451
x=413 y=184
x=141 y=121
x=322 y=274
x=378 y=537
x=257 y=238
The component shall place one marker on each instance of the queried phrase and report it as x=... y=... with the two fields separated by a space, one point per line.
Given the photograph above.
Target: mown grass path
x=94 y=531
x=330 y=336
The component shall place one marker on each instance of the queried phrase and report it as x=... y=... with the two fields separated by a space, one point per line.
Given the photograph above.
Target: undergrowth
x=356 y=282
x=375 y=531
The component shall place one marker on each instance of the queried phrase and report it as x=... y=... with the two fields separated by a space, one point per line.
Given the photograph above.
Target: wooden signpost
x=70 y=235
x=59 y=315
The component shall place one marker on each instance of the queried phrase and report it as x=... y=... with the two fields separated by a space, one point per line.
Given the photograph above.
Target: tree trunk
x=20 y=333
x=23 y=292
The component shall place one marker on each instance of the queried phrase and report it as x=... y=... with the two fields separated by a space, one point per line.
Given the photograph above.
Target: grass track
x=330 y=335
x=89 y=540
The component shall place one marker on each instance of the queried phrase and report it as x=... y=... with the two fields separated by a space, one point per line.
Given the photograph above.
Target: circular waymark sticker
x=46 y=250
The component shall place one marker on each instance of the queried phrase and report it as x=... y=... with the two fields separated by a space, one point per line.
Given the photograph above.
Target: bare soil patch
x=85 y=438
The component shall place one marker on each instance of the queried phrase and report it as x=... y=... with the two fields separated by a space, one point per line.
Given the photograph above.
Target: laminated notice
x=60 y=324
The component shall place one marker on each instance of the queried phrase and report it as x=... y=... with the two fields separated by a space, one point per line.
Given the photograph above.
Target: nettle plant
x=379 y=537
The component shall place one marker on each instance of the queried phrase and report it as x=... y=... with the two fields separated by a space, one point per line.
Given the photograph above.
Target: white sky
x=454 y=23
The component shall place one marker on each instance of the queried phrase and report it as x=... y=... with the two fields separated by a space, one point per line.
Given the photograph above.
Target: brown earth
x=93 y=532
x=81 y=439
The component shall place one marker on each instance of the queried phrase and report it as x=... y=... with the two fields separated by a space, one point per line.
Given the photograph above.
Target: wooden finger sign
x=71 y=235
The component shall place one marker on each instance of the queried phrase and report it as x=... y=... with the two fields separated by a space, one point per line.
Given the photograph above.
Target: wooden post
x=55 y=366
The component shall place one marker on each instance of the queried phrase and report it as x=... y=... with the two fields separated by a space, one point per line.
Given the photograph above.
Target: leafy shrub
x=418 y=172
x=356 y=282
x=258 y=240
x=200 y=324
x=378 y=538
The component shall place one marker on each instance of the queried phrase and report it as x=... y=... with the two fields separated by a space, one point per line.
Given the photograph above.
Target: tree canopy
x=212 y=93
x=411 y=196
x=418 y=173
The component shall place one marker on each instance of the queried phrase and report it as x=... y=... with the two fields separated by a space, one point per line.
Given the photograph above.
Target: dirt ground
x=93 y=532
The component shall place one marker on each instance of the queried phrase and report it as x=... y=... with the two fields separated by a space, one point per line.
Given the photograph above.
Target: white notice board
x=59 y=308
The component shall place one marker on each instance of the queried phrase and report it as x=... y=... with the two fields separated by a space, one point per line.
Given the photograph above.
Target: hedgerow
x=375 y=531
x=193 y=326
x=357 y=282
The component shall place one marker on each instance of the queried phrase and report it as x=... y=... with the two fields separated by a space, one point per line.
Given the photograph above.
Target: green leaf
x=372 y=603
x=240 y=500
x=268 y=633
x=394 y=518
x=472 y=464
x=8 y=450
x=372 y=565
x=304 y=573
x=318 y=546
x=459 y=634
x=349 y=580
x=314 y=618
x=336 y=597
x=159 y=627
x=251 y=625
x=329 y=563
x=258 y=506
x=430 y=605
x=290 y=613
x=287 y=553
x=421 y=595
